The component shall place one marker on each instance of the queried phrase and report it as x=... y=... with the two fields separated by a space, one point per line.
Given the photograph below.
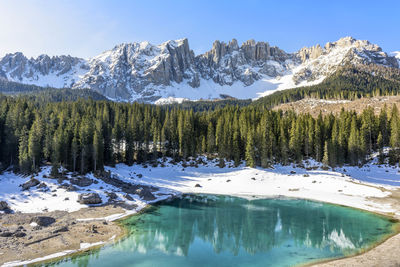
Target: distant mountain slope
x=348 y=82
x=48 y=94
x=151 y=73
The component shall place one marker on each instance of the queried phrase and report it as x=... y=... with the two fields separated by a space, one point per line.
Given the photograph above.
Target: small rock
x=93 y=229
x=4 y=205
x=145 y=194
x=6 y=234
x=112 y=196
x=19 y=234
x=252 y=178
x=306 y=175
x=197 y=185
x=128 y=197
x=81 y=181
x=67 y=198
x=292 y=172
x=140 y=175
x=228 y=181
x=68 y=187
x=62 y=229
x=42 y=185
x=89 y=198
x=43 y=220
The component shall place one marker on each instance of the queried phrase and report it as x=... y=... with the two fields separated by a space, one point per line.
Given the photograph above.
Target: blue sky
x=86 y=28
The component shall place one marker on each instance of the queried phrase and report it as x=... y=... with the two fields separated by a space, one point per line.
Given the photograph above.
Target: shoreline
x=342 y=261
x=379 y=199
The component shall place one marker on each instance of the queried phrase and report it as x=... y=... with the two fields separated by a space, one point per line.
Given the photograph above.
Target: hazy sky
x=85 y=28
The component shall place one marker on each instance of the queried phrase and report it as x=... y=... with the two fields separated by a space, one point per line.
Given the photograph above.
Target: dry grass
x=315 y=106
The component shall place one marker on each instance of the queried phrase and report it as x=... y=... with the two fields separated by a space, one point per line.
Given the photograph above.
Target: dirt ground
x=66 y=233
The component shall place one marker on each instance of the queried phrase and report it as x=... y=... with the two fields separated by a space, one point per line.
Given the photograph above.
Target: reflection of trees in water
x=231 y=224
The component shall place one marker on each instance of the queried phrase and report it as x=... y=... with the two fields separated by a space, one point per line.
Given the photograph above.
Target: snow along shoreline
x=349 y=186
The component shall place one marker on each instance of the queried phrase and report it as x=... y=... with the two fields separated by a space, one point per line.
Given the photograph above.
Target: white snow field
x=349 y=186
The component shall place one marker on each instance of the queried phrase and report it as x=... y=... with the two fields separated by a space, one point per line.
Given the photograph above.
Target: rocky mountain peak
x=145 y=72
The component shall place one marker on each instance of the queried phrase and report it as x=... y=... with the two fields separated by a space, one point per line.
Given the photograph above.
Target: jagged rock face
x=319 y=62
x=16 y=67
x=228 y=63
x=144 y=72
x=129 y=69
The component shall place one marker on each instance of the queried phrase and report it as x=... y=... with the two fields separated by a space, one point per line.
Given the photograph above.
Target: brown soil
x=42 y=241
x=45 y=241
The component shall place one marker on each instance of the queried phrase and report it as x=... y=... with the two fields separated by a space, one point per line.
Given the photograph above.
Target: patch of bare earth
x=65 y=233
x=315 y=106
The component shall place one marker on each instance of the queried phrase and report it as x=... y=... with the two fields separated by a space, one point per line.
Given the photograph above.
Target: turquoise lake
x=203 y=230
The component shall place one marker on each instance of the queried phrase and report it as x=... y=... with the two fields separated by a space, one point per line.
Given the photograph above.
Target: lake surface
x=229 y=231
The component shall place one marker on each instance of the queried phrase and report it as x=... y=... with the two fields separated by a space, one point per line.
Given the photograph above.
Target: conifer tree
x=250 y=151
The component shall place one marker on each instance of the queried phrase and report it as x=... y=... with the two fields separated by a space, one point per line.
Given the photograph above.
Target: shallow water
x=230 y=231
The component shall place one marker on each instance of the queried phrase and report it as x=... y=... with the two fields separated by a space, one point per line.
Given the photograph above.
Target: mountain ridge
x=162 y=73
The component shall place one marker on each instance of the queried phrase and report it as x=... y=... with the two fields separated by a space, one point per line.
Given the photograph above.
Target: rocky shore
x=25 y=236
x=95 y=202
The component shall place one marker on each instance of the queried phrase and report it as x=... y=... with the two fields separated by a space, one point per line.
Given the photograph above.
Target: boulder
x=4 y=205
x=128 y=197
x=89 y=198
x=43 y=220
x=31 y=183
x=19 y=234
x=81 y=181
x=68 y=187
x=145 y=194
x=6 y=234
x=61 y=229
x=112 y=196
x=42 y=185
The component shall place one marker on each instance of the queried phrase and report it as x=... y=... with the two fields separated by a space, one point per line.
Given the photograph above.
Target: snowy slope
x=171 y=72
x=340 y=186
x=396 y=54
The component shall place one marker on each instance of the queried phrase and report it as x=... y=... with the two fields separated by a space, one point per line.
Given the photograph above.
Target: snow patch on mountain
x=396 y=54
x=170 y=72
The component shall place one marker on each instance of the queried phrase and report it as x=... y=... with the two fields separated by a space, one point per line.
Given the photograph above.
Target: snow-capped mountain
x=169 y=71
x=59 y=71
x=396 y=54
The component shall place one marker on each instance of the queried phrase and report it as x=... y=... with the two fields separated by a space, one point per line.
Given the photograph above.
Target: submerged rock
x=89 y=198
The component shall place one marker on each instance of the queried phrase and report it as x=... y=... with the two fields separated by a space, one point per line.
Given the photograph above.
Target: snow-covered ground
x=351 y=186
x=54 y=198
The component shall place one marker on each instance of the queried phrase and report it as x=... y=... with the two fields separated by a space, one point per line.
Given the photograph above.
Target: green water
x=230 y=231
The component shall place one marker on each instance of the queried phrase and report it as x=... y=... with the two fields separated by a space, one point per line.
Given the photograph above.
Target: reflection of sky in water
x=201 y=231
